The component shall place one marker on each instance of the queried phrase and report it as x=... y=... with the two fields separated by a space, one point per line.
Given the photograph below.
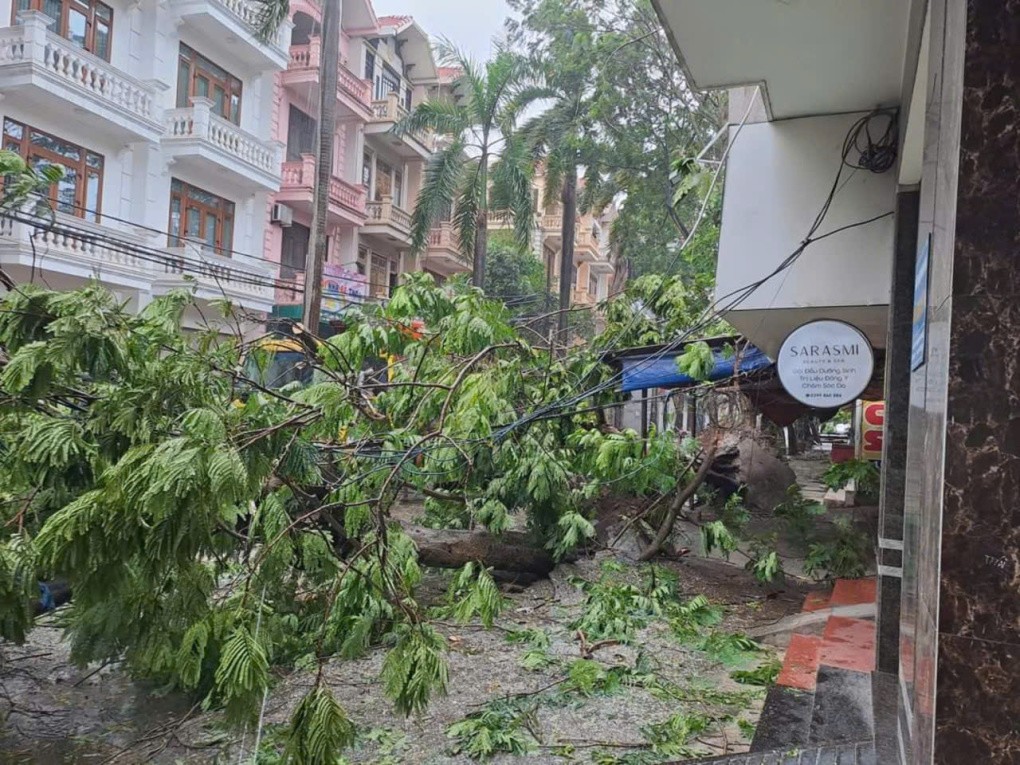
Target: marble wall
x=960 y=624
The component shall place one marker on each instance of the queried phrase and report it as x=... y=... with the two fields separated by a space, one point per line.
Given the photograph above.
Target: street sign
x=825 y=364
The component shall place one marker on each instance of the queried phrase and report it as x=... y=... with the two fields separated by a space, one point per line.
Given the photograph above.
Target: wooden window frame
x=61 y=26
x=202 y=66
x=224 y=213
x=30 y=151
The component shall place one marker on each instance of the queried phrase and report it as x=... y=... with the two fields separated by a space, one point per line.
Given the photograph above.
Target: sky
x=469 y=24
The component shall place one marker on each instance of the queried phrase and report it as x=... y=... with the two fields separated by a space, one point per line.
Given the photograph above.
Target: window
x=294 y=250
x=398 y=188
x=383 y=180
x=80 y=191
x=198 y=216
x=388 y=82
x=378 y=279
x=593 y=285
x=366 y=170
x=362 y=264
x=301 y=131
x=198 y=77
x=86 y=23
x=369 y=66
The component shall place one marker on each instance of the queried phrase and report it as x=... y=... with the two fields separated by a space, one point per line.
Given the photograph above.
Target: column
x=894 y=447
x=962 y=499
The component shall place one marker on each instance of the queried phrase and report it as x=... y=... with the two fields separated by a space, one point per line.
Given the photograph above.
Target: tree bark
x=328 y=74
x=510 y=552
x=481 y=225
x=677 y=504
x=569 y=199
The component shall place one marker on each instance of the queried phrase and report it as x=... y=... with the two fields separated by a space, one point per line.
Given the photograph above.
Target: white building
x=160 y=114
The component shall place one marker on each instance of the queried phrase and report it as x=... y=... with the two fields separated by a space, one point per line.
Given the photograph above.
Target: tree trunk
x=511 y=551
x=328 y=75
x=666 y=528
x=569 y=199
x=482 y=225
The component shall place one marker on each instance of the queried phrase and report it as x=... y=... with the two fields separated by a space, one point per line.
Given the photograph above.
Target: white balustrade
x=199 y=123
x=31 y=42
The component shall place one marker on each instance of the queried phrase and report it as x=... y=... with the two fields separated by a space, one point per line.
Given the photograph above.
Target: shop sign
x=919 y=341
x=825 y=364
x=872 y=429
x=341 y=288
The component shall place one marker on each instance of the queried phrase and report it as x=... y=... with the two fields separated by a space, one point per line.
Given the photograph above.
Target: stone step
x=861 y=753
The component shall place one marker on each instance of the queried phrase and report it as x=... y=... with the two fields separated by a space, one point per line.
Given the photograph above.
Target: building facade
x=387 y=68
x=594 y=266
x=159 y=113
x=921 y=254
x=188 y=149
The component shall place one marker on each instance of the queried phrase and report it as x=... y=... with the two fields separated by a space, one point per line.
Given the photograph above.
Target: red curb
x=800 y=666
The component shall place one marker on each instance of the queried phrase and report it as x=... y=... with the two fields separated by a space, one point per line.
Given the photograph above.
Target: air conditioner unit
x=282 y=214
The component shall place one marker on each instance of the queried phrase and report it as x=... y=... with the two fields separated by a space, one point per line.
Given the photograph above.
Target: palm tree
x=563 y=137
x=478 y=124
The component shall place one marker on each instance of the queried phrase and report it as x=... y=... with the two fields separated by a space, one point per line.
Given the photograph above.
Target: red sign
x=872 y=429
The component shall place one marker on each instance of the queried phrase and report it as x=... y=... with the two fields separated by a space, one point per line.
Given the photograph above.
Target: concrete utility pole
x=329 y=64
x=569 y=200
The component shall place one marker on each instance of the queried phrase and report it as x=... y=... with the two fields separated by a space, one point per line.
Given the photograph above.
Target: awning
x=656 y=366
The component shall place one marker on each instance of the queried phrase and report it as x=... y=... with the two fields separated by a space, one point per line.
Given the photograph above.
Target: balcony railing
x=301 y=174
x=384 y=211
x=443 y=237
x=390 y=109
x=200 y=123
x=70 y=244
x=347 y=194
x=31 y=43
x=308 y=57
x=77 y=242
x=217 y=273
x=244 y=13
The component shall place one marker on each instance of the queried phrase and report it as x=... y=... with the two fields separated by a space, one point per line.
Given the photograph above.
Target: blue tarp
x=661 y=371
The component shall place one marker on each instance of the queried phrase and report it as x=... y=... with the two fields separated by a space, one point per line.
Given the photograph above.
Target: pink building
x=387 y=68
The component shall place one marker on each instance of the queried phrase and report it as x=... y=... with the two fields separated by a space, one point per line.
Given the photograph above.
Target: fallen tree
x=211 y=528
x=512 y=552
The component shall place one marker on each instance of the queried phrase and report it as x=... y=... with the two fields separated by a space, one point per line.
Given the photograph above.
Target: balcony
x=346 y=201
x=443 y=254
x=388 y=221
x=602 y=265
x=587 y=246
x=75 y=248
x=386 y=113
x=582 y=297
x=214 y=277
x=206 y=144
x=50 y=74
x=78 y=250
x=302 y=77
x=229 y=26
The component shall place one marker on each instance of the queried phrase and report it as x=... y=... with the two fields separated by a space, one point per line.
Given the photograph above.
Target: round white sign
x=826 y=364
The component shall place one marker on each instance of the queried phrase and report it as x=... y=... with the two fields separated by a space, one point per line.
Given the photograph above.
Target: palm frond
x=438 y=189
x=469 y=202
x=438 y=116
x=511 y=189
x=554 y=171
x=522 y=96
x=503 y=74
x=472 y=79
x=271 y=15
